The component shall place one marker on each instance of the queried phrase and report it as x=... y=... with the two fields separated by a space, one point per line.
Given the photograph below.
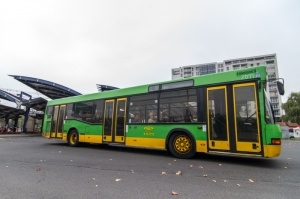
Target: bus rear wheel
x=73 y=138
x=181 y=146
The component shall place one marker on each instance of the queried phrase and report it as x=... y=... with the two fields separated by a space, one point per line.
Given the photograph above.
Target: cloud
x=125 y=43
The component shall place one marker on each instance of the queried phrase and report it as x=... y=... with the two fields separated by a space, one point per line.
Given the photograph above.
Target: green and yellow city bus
x=225 y=113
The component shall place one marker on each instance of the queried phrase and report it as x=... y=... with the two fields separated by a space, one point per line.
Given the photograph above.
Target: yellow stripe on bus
x=46 y=134
x=201 y=146
x=97 y=139
x=155 y=143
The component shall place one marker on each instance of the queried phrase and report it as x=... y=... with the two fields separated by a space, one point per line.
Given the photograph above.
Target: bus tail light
x=276 y=141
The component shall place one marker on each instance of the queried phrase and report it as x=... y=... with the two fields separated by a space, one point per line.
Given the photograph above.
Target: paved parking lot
x=35 y=167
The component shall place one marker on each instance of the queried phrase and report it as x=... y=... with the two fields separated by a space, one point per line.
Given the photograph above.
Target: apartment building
x=235 y=64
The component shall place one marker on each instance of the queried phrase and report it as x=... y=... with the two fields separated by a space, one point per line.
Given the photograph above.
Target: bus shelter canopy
x=38 y=104
x=10 y=112
x=47 y=88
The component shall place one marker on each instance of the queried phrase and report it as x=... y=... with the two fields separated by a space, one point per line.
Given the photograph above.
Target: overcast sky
x=79 y=44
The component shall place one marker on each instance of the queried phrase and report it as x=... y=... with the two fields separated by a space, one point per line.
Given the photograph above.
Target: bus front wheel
x=73 y=138
x=181 y=146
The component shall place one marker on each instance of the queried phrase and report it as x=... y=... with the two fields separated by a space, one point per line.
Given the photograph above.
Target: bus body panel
x=116 y=109
x=271 y=151
x=154 y=136
x=274 y=132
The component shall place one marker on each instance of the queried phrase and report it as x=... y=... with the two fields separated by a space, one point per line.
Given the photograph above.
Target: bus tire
x=73 y=138
x=181 y=145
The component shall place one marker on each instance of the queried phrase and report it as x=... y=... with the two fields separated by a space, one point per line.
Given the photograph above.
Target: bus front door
x=114 y=120
x=247 y=131
x=233 y=123
x=57 y=121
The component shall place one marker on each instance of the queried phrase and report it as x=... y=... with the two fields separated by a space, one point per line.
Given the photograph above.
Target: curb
x=19 y=135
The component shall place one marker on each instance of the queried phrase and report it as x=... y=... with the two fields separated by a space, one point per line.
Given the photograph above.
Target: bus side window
x=142 y=104
x=69 y=111
x=98 y=114
x=164 y=116
x=50 y=110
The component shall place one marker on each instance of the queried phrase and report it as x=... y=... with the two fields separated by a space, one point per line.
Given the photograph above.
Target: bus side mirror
x=280 y=87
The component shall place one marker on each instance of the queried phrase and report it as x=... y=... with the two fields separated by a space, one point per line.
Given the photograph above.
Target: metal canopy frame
x=8 y=96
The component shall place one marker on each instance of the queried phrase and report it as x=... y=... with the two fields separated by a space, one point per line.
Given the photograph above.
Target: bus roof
x=209 y=79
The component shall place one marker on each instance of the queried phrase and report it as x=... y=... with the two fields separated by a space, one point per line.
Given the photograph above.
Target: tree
x=292 y=108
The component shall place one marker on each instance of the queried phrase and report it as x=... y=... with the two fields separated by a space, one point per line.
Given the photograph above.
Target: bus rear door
x=114 y=120
x=57 y=121
x=217 y=118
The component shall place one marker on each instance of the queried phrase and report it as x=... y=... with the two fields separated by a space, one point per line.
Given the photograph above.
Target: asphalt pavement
x=35 y=168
